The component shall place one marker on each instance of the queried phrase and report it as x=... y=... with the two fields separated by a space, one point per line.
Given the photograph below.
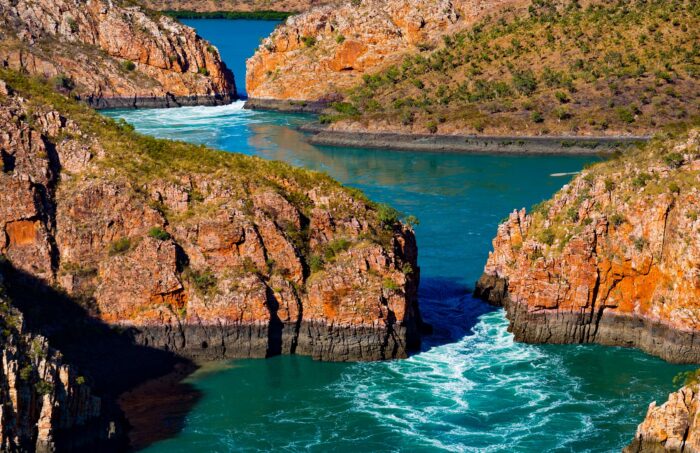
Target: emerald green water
x=471 y=388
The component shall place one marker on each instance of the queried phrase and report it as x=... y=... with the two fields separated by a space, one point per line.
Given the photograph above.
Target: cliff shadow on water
x=449 y=310
x=139 y=386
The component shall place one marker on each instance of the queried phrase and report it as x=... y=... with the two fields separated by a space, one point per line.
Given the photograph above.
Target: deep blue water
x=234 y=51
x=472 y=388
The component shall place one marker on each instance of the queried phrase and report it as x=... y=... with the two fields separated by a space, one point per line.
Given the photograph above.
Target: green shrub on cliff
x=159 y=233
x=128 y=65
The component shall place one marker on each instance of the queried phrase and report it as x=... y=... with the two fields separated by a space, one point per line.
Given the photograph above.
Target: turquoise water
x=471 y=388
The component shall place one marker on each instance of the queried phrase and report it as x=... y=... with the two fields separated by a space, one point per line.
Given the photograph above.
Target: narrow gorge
x=151 y=256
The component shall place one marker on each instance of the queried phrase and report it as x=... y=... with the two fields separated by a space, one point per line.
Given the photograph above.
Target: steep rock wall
x=41 y=397
x=316 y=55
x=672 y=427
x=113 y=54
x=613 y=258
x=208 y=254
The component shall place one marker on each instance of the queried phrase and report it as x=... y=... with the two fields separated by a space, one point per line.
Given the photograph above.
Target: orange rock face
x=209 y=262
x=114 y=54
x=673 y=427
x=613 y=258
x=318 y=54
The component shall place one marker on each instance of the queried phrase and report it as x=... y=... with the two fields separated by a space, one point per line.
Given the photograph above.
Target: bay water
x=471 y=388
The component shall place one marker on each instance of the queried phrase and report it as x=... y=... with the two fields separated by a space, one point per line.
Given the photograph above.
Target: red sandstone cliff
x=206 y=253
x=112 y=53
x=316 y=55
x=234 y=5
x=612 y=258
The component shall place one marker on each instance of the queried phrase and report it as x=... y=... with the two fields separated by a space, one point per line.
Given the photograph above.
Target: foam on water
x=472 y=388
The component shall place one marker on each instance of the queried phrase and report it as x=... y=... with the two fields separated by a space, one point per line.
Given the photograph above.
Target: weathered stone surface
x=91 y=45
x=207 y=263
x=317 y=54
x=613 y=258
x=672 y=427
x=40 y=396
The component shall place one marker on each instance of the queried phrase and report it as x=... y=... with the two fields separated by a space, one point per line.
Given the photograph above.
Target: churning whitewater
x=472 y=388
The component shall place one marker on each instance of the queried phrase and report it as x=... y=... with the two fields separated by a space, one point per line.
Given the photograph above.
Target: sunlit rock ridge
x=613 y=258
x=112 y=53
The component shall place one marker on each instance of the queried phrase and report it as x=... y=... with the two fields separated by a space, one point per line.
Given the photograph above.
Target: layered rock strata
x=41 y=397
x=316 y=55
x=111 y=53
x=672 y=427
x=613 y=258
x=204 y=253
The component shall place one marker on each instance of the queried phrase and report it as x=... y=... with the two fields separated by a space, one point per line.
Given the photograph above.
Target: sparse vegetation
x=585 y=68
x=120 y=246
x=204 y=281
x=128 y=65
x=159 y=233
x=308 y=41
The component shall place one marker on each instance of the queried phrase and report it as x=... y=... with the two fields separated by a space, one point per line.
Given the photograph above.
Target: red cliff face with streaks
x=316 y=55
x=112 y=54
x=205 y=253
x=613 y=258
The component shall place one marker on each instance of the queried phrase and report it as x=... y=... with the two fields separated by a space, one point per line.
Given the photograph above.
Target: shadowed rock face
x=113 y=54
x=317 y=54
x=613 y=258
x=672 y=427
x=40 y=396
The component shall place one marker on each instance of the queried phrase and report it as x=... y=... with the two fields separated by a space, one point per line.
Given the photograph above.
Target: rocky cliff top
x=613 y=257
x=318 y=54
x=572 y=69
x=207 y=253
x=112 y=53
x=674 y=426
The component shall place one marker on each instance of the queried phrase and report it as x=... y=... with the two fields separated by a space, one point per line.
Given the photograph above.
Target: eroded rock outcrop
x=613 y=258
x=113 y=53
x=204 y=253
x=41 y=397
x=316 y=55
x=672 y=427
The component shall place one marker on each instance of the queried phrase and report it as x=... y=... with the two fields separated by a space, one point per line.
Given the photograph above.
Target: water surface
x=471 y=388
x=235 y=39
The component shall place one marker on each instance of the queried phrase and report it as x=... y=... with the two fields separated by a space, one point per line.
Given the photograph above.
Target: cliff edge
x=317 y=55
x=41 y=397
x=672 y=427
x=112 y=53
x=613 y=258
x=203 y=253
